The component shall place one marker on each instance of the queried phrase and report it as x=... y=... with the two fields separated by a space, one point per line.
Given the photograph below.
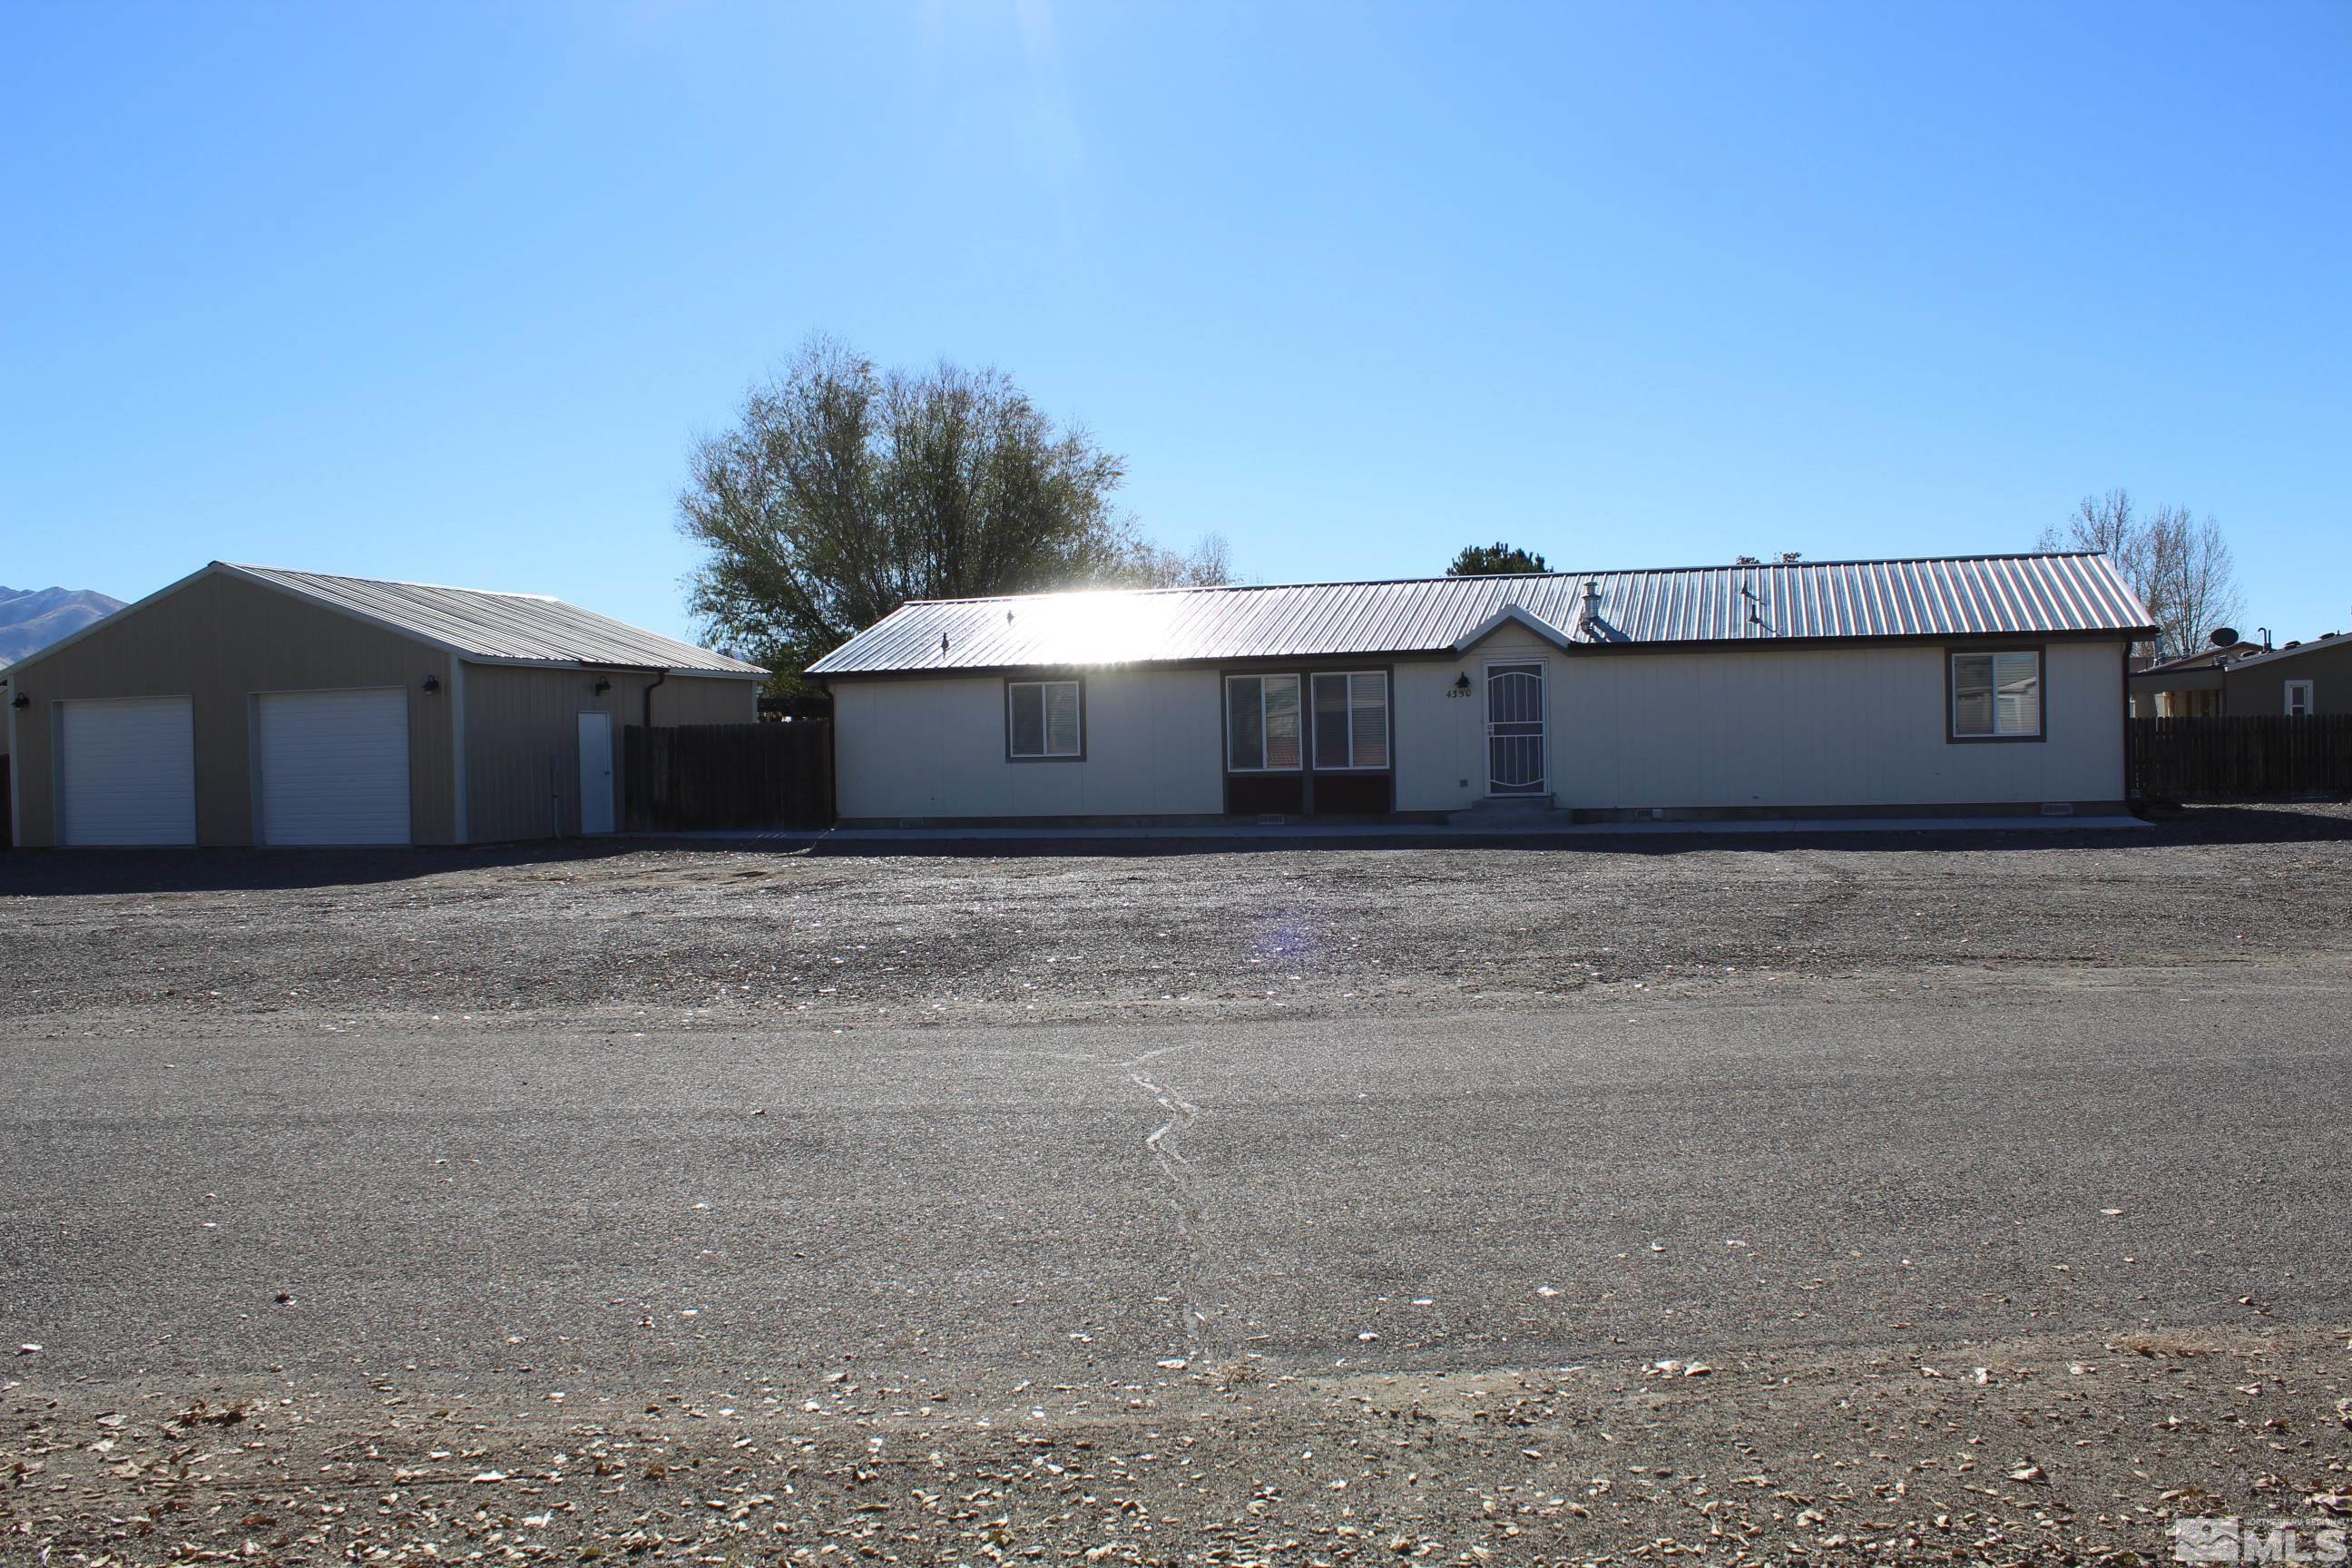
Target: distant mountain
x=33 y=618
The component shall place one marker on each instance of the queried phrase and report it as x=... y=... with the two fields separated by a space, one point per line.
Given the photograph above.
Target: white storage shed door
x=129 y=771
x=334 y=766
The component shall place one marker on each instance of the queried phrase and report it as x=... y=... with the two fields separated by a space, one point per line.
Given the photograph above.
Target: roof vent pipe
x=1591 y=612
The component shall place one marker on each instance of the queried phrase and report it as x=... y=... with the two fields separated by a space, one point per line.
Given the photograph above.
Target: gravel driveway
x=718 y=937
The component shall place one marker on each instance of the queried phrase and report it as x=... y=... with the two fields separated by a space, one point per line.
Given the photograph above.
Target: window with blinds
x=1042 y=719
x=1997 y=696
x=1352 y=720
x=1262 y=723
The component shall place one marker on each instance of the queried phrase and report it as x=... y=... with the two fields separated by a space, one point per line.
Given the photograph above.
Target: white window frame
x=1387 y=753
x=1306 y=721
x=2310 y=703
x=1952 y=731
x=1045 y=723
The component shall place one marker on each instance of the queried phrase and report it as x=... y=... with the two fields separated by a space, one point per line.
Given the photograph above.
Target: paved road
x=975 y=1208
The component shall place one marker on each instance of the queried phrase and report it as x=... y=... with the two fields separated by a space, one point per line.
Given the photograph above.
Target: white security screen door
x=596 y=773
x=333 y=766
x=1515 y=729
x=129 y=770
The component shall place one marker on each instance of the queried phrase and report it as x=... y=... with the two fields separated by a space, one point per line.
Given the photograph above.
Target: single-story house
x=2298 y=679
x=1992 y=683
x=248 y=705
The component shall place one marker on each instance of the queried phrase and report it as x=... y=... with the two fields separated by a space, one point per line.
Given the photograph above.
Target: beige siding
x=935 y=748
x=522 y=738
x=220 y=641
x=2261 y=692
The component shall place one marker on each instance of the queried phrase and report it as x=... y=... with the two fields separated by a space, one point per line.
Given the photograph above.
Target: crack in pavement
x=1182 y=1195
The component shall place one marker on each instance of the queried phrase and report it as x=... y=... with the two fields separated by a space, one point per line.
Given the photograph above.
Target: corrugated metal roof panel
x=1996 y=594
x=526 y=629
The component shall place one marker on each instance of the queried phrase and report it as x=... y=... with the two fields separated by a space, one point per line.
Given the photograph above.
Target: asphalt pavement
x=974 y=1210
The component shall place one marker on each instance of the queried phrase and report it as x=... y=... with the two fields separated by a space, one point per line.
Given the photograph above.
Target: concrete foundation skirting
x=1527 y=833
x=2054 y=809
x=1521 y=819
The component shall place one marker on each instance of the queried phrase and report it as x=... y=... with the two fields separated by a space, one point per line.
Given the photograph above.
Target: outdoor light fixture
x=431 y=683
x=22 y=701
x=603 y=686
x=1462 y=681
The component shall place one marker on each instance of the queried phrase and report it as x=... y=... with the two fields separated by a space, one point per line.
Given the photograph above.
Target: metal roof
x=508 y=628
x=1989 y=596
x=2288 y=650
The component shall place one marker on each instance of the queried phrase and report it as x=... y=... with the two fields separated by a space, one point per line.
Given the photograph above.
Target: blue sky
x=447 y=293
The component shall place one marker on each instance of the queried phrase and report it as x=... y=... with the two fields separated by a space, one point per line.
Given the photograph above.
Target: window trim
x=1041 y=680
x=1387 y=724
x=2310 y=698
x=1954 y=654
x=1226 y=719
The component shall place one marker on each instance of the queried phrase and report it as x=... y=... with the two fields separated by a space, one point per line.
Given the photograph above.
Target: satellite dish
x=2225 y=636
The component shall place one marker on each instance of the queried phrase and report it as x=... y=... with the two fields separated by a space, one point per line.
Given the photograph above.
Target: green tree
x=1496 y=560
x=845 y=491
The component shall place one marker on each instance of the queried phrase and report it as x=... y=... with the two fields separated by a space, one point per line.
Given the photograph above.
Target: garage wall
x=180 y=646
x=935 y=748
x=522 y=738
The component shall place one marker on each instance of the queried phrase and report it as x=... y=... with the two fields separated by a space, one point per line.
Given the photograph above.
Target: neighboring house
x=245 y=705
x=1859 y=687
x=2298 y=679
x=2188 y=687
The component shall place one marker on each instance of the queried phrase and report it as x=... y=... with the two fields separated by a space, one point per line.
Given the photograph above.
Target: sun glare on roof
x=1098 y=628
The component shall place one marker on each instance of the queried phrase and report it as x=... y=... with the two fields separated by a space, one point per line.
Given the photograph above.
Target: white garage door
x=334 y=766
x=129 y=771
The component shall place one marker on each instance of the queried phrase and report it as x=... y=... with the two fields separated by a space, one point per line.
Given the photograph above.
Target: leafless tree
x=1208 y=564
x=2194 y=579
x=2179 y=567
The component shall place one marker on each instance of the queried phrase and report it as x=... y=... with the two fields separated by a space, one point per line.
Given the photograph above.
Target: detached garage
x=248 y=705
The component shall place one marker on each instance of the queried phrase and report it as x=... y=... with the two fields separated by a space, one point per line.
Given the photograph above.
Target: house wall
x=1763 y=728
x=1829 y=727
x=220 y=641
x=2262 y=691
x=935 y=748
x=1441 y=752
x=522 y=738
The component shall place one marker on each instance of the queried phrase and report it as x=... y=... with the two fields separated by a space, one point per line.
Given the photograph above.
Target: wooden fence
x=2226 y=758
x=728 y=776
